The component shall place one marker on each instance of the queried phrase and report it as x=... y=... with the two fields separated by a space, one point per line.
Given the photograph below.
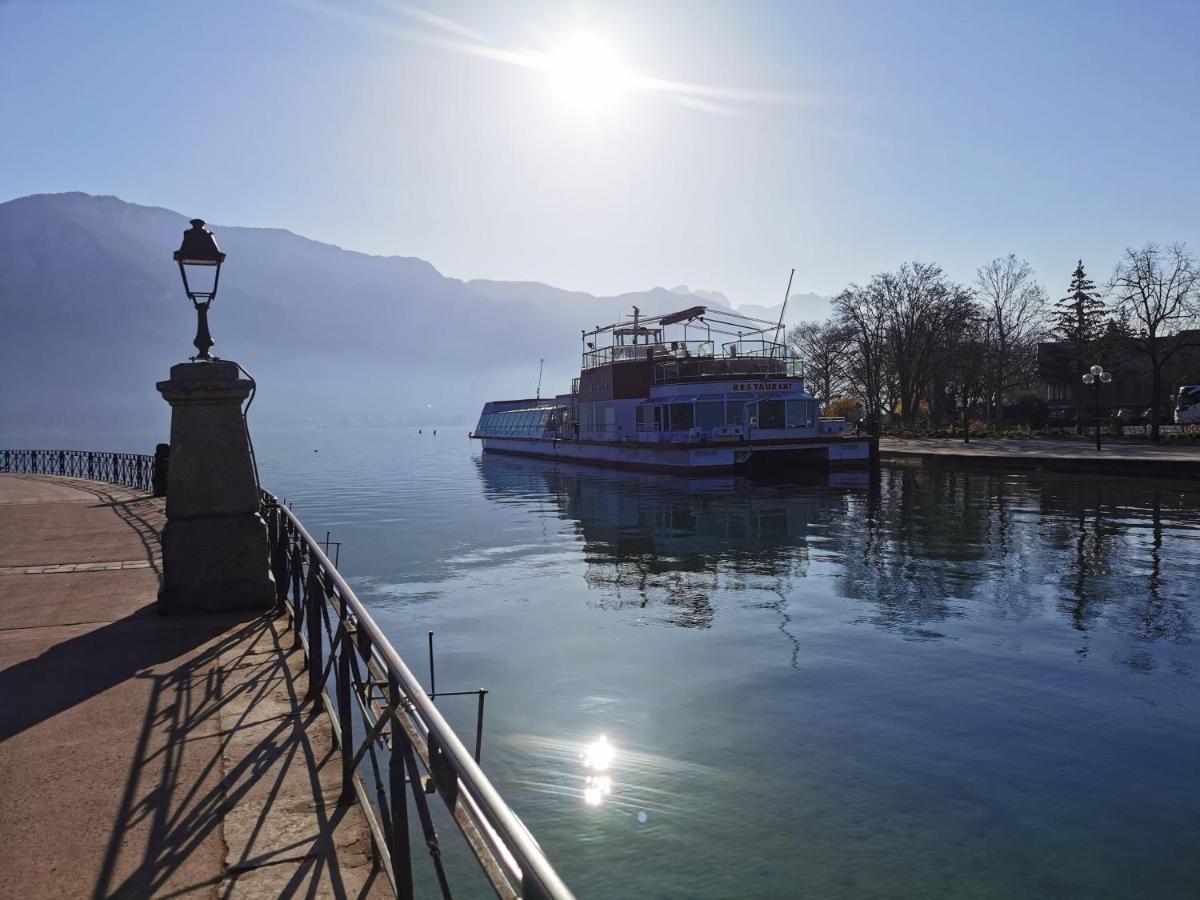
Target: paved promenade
x=1180 y=460
x=149 y=756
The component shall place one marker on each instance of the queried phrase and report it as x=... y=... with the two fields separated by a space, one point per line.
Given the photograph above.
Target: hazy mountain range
x=94 y=314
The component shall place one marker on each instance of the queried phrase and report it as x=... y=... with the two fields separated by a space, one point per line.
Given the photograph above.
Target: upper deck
x=695 y=345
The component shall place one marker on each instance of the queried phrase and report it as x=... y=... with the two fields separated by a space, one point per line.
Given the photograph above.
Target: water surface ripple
x=950 y=684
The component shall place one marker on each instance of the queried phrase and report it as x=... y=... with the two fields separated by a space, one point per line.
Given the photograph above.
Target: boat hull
x=803 y=454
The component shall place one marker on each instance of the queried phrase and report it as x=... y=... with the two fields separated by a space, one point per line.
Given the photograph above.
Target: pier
x=1177 y=460
x=232 y=754
x=147 y=755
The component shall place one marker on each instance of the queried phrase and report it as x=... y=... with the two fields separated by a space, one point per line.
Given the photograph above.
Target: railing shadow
x=142 y=514
x=240 y=690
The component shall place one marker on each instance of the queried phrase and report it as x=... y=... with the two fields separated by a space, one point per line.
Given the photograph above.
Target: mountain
x=95 y=314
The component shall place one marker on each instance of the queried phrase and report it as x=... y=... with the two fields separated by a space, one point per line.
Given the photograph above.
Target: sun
x=586 y=73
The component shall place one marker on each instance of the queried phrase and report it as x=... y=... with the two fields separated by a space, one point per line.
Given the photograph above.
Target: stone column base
x=215 y=564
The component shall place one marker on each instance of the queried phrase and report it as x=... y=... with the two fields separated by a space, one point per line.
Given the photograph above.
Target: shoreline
x=1057 y=456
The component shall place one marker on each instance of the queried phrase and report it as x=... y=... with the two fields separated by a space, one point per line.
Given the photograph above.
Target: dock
x=143 y=755
x=1177 y=459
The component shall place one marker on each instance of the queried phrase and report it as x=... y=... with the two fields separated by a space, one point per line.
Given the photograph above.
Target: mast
x=541 y=362
x=786 y=294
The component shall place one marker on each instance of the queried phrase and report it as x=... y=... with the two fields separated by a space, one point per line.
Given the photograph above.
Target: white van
x=1187 y=405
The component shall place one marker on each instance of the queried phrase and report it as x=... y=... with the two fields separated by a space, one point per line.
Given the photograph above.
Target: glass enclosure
x=538 y=422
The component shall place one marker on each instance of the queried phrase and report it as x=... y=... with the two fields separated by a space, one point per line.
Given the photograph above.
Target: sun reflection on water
x=597 y=757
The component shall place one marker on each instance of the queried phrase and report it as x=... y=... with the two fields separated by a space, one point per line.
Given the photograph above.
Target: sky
x=610 y=147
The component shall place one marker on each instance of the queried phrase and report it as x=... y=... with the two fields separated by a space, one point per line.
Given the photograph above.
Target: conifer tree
x=1078 y=320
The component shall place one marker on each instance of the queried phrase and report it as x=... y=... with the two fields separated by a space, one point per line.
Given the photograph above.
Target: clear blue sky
x=839 y=138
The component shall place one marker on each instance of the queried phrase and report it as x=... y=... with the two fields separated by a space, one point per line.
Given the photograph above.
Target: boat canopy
x=684 y=315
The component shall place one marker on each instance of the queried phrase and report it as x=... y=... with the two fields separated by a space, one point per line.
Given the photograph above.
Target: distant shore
x=1181 y=460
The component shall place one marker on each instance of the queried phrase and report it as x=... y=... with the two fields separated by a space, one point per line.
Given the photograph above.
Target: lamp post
x=1096 y=376
x=215 y=543
x=200 y=261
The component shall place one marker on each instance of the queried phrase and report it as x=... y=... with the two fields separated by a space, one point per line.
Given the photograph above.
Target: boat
x=702 y=390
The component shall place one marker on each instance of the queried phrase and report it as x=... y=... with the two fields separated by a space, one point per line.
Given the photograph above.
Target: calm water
x=953 y=684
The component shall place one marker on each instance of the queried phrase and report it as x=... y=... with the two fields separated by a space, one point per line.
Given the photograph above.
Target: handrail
x=401 y=720
x=135 y=470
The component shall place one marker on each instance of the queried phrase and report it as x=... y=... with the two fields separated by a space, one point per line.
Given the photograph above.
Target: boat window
x=799 y=413
x=771 y=414
x=682 y=417
x=733 y=411
x=709 y=414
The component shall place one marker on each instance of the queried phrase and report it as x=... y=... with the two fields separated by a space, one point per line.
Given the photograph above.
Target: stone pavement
x=1174 y=460
x=143 y=755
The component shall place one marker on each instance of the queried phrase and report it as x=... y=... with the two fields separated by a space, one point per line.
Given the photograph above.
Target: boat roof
x=718 y=320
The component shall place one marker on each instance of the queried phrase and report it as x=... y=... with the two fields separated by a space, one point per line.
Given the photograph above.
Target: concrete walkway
x=1176 y=460
x=148 y=756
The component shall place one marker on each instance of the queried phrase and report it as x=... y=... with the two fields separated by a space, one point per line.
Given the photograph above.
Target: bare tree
x=965 y=376
x=925 y=312
x=823 y=347
x=1158 y=289
x=1015 y=304
x=861 y=312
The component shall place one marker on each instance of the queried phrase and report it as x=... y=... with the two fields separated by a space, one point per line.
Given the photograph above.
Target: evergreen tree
x=1079 y=320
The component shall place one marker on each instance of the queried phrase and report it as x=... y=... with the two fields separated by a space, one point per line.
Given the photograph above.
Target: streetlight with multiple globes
x=1096 y=376
x=200 y=261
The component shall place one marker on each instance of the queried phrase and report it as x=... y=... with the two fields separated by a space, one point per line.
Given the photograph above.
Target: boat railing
x=700 y=369
x=756 y=347
x=602 y=356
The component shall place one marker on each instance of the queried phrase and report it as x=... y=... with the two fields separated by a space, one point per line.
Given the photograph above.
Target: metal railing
x=135 y=470
x=390 y=734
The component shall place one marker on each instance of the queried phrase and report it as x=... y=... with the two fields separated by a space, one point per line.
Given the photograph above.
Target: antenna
x=786 y=294
x=541 y=362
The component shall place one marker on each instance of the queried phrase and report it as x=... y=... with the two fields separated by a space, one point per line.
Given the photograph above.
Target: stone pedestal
x=215 y=549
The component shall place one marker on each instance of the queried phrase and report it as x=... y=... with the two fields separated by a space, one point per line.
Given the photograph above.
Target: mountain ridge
x=88 y=283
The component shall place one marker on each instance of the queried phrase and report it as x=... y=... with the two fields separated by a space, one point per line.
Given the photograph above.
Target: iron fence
x=135 y=470
x=395 y=745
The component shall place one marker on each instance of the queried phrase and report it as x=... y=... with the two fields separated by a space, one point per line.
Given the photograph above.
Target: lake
x=951 y=683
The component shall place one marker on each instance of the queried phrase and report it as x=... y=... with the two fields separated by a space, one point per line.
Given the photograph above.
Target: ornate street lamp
x=200 y=261
x=1096 y=377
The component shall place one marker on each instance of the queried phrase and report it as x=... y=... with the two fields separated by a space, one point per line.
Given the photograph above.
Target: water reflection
x=919 y=551
x=597 y=758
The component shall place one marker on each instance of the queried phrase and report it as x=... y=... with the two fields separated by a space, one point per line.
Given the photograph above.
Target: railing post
x=297 y=570
x=314 y=596
x=115 y=476
x=62 y=463
x=162 y=459
x=91 y=464
x=398 y=799
x=279 y=563
x=346 y=726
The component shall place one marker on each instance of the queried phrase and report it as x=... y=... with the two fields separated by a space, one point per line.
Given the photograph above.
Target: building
x=1130 y=392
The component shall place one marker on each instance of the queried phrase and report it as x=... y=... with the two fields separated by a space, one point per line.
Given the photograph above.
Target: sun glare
x=586 y=73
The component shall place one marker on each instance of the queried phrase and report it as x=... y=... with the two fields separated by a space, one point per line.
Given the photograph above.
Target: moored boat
x=699 y=390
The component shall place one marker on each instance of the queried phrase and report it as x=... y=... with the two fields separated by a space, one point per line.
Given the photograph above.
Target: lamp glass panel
x=201 y=277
